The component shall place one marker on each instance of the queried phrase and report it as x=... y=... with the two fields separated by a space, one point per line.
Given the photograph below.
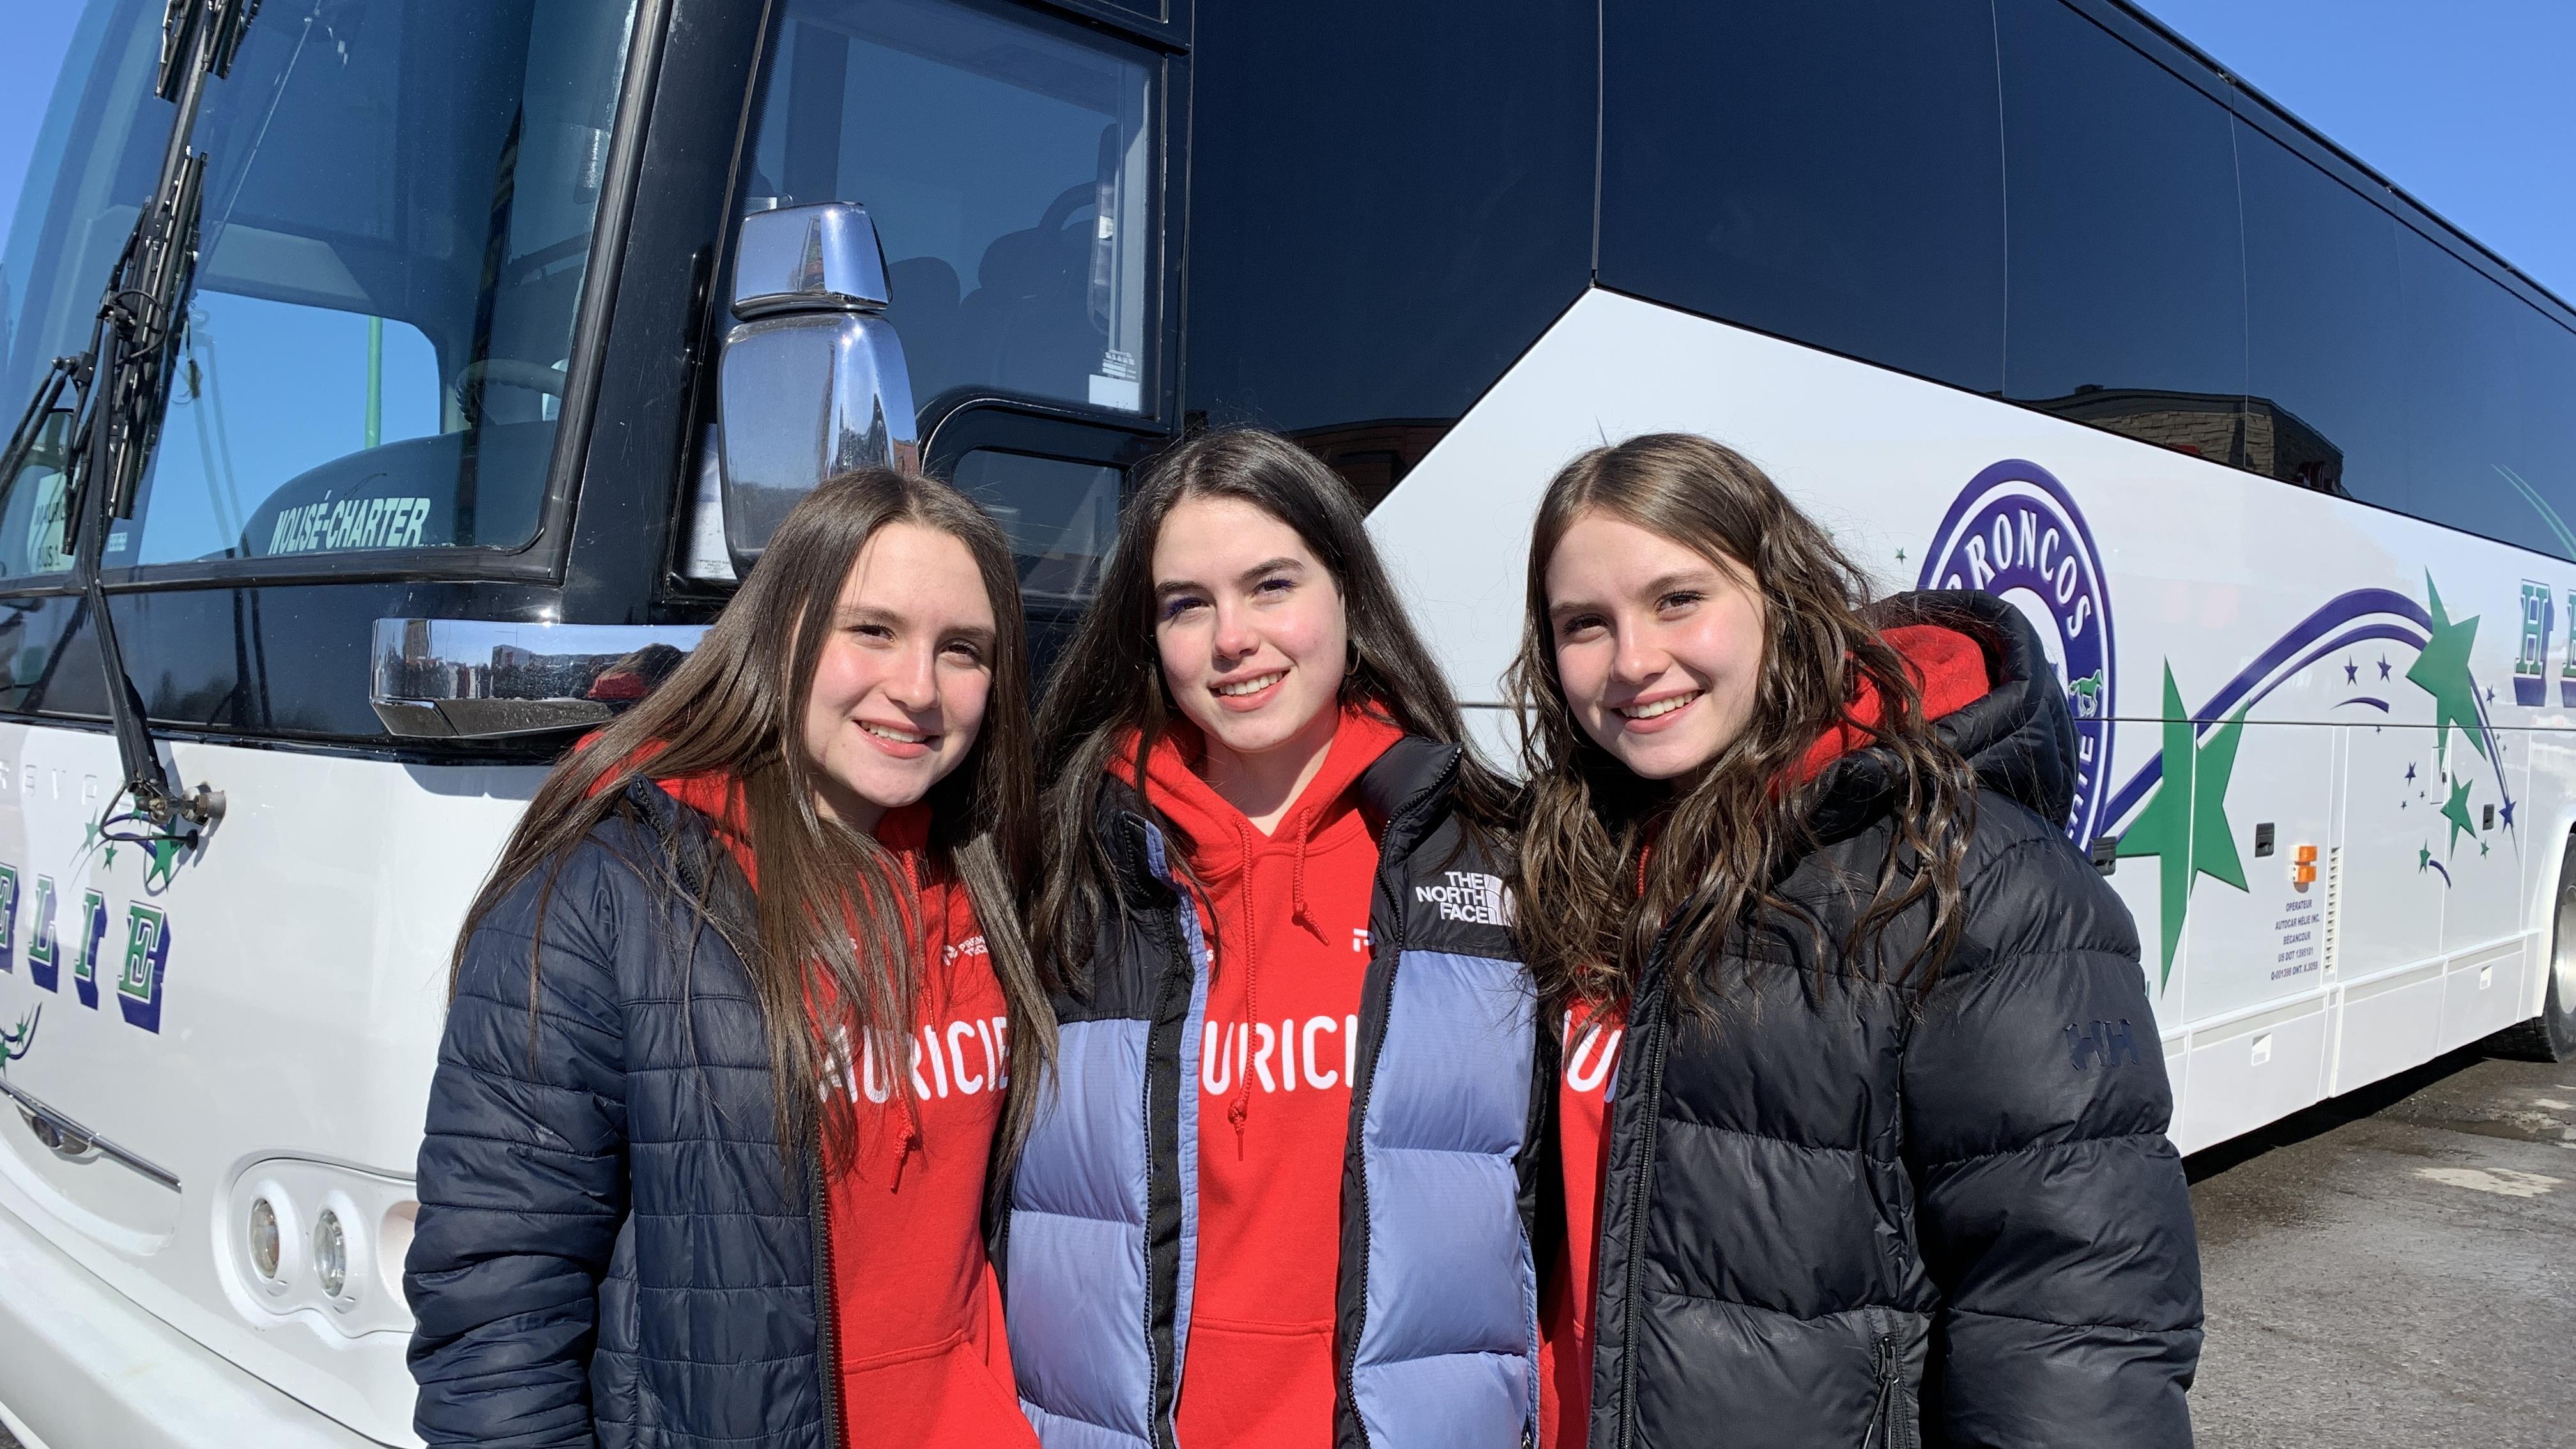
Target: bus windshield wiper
x=122 y=384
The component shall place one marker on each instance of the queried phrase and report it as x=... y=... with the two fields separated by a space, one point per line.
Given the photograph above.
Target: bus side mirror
x=812 y=382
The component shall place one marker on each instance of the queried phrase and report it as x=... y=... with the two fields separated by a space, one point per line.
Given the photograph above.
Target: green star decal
x=2442 y=671
x=165 y=857
x=111 y=855
x=2424 y=858
x=2185 y=822
x=2456 y=810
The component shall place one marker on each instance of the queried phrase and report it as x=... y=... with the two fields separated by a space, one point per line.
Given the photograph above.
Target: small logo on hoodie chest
x=2015 y=532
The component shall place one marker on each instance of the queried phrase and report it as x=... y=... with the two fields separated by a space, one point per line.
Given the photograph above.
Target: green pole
x=375 y=380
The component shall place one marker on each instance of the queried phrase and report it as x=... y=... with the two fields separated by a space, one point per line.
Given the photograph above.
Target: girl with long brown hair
x=743 y=1020
x=1280 y=1199
x=1795 y=872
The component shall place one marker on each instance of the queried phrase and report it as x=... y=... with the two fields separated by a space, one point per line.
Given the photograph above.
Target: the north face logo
x=2102 y=1045
x=1469 y=896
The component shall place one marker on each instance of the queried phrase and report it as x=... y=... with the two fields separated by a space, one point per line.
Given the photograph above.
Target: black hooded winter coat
x=1848 y=1213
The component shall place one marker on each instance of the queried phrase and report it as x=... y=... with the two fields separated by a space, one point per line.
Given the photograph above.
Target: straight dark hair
x=735 y=708
x=1109 y=682
x=1594 y=902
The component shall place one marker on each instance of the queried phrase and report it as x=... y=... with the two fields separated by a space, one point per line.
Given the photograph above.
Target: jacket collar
x=1401 y=796
x=1404 y=793
x=2019 y=738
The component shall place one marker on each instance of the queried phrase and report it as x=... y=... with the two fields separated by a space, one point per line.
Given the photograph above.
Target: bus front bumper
x=81 y=1365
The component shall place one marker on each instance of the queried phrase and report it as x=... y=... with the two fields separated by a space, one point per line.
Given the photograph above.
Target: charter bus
x=498 y=334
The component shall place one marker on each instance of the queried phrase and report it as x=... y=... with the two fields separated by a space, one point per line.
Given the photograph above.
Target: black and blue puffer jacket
x=611 y=1250
x=1436 y=1307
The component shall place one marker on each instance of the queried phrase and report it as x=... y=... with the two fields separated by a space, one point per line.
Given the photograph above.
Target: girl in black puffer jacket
x=1863 y=1116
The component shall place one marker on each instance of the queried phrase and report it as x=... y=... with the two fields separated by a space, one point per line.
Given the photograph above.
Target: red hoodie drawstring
x=909 y=1144
x=1240 y=1109
x=1297 y=887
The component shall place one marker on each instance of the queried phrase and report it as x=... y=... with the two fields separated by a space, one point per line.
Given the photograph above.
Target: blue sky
x=2465 y=103
x=40 y=30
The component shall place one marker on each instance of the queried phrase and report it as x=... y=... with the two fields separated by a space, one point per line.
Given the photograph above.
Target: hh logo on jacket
x=2104 y=1045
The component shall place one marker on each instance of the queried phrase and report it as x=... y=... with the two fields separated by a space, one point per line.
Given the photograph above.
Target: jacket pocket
x=617 y=1388
x=1897 y=1421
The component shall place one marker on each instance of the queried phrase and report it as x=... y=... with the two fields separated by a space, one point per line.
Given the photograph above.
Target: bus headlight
x=330 y=1254
x=263 y=1238
x=317 y=1241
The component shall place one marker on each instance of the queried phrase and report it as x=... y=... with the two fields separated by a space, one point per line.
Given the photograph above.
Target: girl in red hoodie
x=1279 y=929
x=743 y=1018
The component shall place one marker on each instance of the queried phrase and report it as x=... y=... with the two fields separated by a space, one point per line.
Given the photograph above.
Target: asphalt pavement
x=2397 y=1267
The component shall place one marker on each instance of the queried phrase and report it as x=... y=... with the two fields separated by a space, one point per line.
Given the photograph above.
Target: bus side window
x=1061 y=517
x=2126 y=290
x=1008 y=166
x=35 y=533
x=2324 y=324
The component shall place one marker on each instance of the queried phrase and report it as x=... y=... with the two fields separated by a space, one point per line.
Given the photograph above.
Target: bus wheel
x=2558 y=1013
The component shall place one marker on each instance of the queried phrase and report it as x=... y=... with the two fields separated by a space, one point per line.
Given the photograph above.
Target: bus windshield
x=398 y=206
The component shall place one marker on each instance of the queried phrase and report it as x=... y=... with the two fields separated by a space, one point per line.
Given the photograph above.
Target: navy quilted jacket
x=610 y=1249
x=1848 y=1215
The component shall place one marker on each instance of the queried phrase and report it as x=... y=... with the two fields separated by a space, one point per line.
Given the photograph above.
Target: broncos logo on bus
x=2016 y=533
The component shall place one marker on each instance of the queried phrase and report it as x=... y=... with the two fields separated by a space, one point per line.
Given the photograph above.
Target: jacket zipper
x=1167 y=1426
x=826 y=1313
x=1888 y=1428
x=1360 y=1092
x=827 y=1326
x=1649 y=1102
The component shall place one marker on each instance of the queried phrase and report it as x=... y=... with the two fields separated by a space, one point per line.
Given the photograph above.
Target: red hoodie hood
x=904 y=830
x=1220 y=837
x=1222 y=841
x=1947 y=666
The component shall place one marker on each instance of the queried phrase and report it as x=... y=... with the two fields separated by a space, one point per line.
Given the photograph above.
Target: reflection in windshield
x=397 y=220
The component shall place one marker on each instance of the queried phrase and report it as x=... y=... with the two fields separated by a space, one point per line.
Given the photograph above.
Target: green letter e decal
x=147 y=960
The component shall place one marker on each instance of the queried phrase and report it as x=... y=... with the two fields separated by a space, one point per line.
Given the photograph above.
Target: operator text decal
x=350 y=523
